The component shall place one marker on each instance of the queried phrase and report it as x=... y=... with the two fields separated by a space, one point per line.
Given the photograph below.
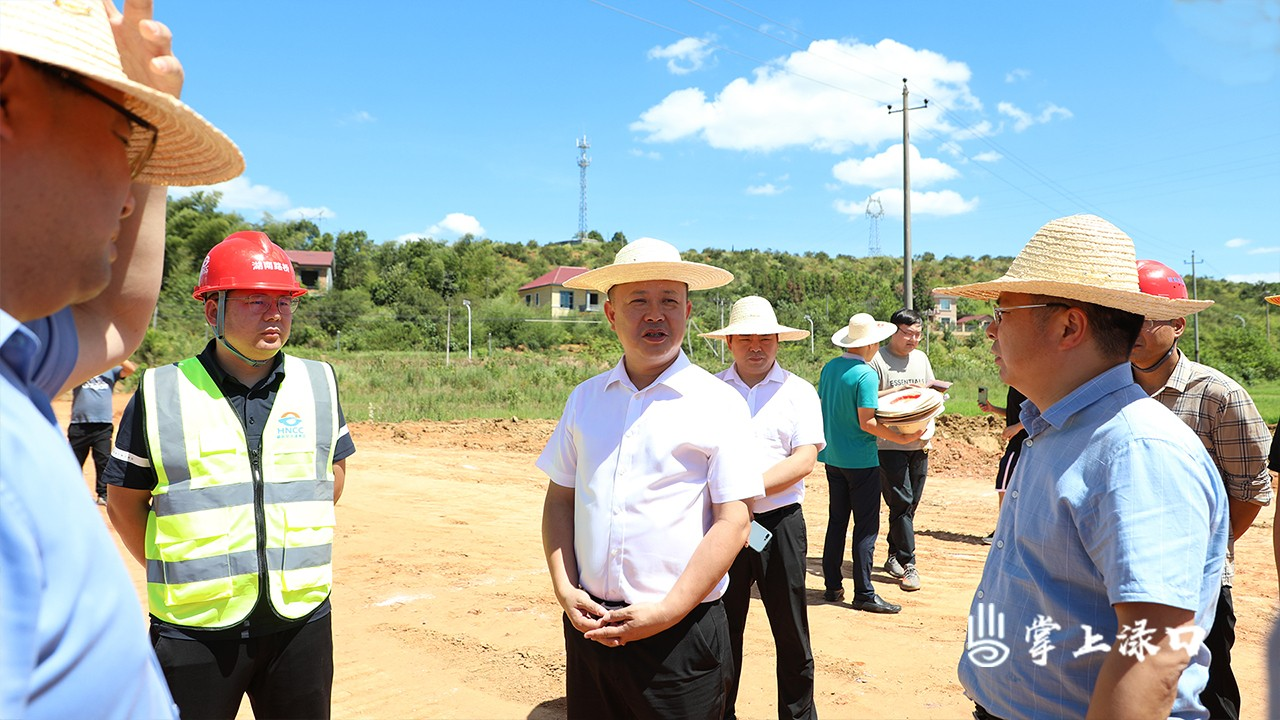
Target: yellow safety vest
x=218 y=525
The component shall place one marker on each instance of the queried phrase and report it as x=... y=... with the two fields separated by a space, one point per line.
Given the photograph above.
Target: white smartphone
x=759 y=538
x=982 y=395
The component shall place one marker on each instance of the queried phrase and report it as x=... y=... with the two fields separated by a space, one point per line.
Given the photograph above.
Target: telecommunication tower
x=583 y=162
x=875 y=211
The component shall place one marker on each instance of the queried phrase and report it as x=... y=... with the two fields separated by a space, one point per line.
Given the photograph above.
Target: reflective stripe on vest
x=202 y=546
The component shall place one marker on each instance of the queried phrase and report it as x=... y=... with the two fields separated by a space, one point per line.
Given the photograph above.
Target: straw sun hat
x=753 y=315
x=863 y=330
x=646 y=259
x=76 y=35
x=1273 y=299
x=1085 y=258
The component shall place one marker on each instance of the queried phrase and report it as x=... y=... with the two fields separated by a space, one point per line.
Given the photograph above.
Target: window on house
x=593 y=299
x=528 y=299
x=537 y=299
x=566 y=298
x=944 y=304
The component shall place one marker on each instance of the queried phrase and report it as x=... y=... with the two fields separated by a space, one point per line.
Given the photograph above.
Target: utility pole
x=467 y=303
x=1195 y=295
x=907 y=296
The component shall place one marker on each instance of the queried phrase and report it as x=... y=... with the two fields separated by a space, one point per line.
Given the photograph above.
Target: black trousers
x=778 y=573
x=287 y=674
x=855 y=491
x=1221 y=697
x=682 y=672
x=96 y=437
x=902 y=475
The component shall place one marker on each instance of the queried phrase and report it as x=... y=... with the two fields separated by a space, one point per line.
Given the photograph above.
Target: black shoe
x=876 y=604
x=833 y=595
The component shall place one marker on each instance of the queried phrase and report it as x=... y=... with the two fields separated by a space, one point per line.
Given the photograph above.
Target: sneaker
x=893 y=567
x=990 y=538
x=876 y=604
x=911 y=578
x=102 y=501
x=833 y=595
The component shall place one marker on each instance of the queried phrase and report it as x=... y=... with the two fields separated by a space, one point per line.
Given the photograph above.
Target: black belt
x=616 y=604
x=777 y=512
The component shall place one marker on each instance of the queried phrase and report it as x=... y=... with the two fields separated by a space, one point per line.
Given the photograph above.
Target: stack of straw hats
x=909 y=409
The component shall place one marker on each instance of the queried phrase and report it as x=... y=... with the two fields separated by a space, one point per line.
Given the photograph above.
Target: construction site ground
x=442 y=607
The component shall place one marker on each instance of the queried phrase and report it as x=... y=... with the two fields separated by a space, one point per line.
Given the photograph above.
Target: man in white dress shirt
x=786 y=418
x=651 y=467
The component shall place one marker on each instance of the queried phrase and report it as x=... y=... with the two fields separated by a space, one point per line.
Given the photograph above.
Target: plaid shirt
x=1223 y=416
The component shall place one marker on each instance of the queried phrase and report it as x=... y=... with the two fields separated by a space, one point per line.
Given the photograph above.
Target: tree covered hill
x=407 y=295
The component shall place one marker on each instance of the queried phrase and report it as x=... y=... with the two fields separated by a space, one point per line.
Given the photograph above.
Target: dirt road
x=442 y=607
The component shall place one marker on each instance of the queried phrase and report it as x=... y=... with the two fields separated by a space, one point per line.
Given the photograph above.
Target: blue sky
x=754 y=123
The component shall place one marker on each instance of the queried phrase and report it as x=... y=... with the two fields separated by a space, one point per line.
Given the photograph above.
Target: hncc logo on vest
x=290 y=426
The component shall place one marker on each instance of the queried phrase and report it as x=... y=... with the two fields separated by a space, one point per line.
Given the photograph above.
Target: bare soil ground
x=442 y=608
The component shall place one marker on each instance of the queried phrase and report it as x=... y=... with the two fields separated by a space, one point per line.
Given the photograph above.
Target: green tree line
x=407 y=295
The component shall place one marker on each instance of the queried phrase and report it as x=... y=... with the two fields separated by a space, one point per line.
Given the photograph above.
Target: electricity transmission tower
x=583 y=162
x=875 y=211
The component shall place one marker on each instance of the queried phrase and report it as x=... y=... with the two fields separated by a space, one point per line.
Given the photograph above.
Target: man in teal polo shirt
x=849 y=389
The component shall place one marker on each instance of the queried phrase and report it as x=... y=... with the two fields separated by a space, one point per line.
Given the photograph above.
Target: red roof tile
x=558 y=276
x=310 y=257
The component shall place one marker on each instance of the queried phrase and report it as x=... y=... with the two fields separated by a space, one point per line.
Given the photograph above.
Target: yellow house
x=548 y=291
x=945 y=313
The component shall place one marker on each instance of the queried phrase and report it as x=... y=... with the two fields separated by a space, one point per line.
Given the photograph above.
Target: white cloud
x=766 y=189
x=940 y=203
x=308 y=213
x=1023 y=120
x=358 y=117
x=451 y=227
x=818 y=97
x=1017 y=75
x=241 y=194
x=1254 y=277
x=1264 y=251
x=685 y=55
x=646 y=154
x=1237 y=242
x=886 y=167
x=988 y=157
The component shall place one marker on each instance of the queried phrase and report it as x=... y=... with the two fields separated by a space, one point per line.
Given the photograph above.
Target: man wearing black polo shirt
x=222 y=484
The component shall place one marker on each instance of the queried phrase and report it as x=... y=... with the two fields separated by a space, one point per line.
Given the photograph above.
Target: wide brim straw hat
x=753 y=315
x=863 y=330
x=647 y=259
x=1273 y=299
x=76 y=35
x=1085 y=258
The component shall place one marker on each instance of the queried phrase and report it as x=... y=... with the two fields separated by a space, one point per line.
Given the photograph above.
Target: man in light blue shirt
x=81 y=232
x=1103 y=577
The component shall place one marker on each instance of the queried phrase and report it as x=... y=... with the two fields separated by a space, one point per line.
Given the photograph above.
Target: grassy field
x=398 y=386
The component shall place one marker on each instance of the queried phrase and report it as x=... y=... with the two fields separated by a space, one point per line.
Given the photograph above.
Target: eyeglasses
x=1000 y=311
x=261 y=304
x=1150 y=325
x=143 y=135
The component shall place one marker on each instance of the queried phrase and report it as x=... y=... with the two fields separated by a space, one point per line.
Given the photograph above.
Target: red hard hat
x=1156 y=278
x=247 y=260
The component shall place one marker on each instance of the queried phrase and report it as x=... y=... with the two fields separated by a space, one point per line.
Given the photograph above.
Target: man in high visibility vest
x=222 y=484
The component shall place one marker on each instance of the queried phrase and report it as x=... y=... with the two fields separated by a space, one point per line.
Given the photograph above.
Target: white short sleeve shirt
x=785 y=414
x=646 y=466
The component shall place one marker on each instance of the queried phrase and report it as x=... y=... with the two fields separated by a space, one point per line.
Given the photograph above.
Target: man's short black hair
x=1116 y=330
x=907 y=316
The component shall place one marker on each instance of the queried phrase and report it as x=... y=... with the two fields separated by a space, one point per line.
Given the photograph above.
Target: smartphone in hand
x=982 y=395
x=759 y=538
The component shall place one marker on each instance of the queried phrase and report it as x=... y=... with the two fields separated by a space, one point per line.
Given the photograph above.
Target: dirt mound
x=504 y=434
